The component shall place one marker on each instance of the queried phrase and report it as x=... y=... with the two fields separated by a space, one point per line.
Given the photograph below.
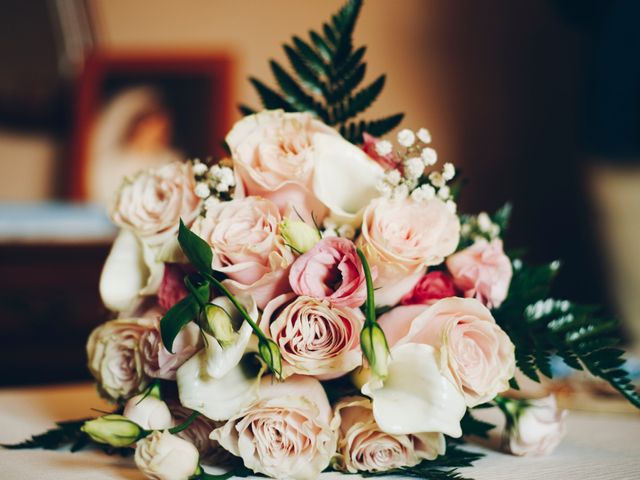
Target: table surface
x=597 y=446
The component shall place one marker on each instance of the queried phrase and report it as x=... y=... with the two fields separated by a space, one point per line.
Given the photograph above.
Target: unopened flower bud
x=375 y=349
x=114 y=430
x=217 y=322
x=270 y=353
x=299 y=235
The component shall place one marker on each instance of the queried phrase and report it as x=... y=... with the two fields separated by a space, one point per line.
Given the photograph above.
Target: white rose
x=363 y=446
x=148 y=412
x=287 y=433
x=162 y=456
x=538 y=429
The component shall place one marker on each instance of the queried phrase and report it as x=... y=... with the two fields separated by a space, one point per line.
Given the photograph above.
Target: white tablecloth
x=597 y=446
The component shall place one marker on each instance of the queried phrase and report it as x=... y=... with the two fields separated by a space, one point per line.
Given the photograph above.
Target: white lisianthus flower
x=537 y=427
x=218 y=398
x=345 y=195
x=363 y=446
x=415 y=396
x=148 y=412
x=163 y=456
x=406 y=137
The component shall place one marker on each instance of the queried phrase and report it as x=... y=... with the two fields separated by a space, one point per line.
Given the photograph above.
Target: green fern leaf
x=308 y=77
x=270 y=98
x=343 y=88
x=313 y=59
x=379 y=127
x=294 y=95
x=362 y=100
x=329 y=34
x=245 y=110
x=321 y=46
x=344 y=22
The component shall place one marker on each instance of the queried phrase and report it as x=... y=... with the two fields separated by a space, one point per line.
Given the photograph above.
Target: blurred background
x=537 y=102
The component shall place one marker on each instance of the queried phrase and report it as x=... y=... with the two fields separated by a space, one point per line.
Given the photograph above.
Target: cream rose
x=402 y=237
x=476 y=352
x=247 y=246
x=363 y=446
x=537 y=429
x=115 y=357
x=287 y=433
x=162 y=456
x=314 y=337
x=272 y=155
x=152 y=202
x=482 y=271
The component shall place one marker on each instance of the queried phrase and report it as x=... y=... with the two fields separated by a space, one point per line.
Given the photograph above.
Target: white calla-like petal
x=415 y=397
x=124 y=274
x=220 y=360
x=155 y=267
x=217 y=398
x=349 y=191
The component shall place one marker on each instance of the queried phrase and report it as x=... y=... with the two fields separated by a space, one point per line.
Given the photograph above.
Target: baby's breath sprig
x=214 y=183
x=412 y=176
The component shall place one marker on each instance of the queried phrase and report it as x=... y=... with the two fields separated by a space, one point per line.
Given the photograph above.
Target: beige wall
x=255 y=30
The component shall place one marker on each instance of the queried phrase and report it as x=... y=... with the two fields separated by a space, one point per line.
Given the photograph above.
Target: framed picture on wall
x=138 y=109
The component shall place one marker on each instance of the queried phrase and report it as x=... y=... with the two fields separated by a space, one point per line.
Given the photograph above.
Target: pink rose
x=315 y=338
x=287 y=433
x=247 y=246
x=157 y=361
x=479 y=355
x=369 y=146
x=331 y=270
x=482 y=271
x=273 y=156
x=172 y=288
x=153 y=201
x=402 y=237
x=430 y=288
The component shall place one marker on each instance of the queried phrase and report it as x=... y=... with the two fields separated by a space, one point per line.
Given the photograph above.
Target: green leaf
x=503 y=216
x=308 y=77
x=321 y=46
x=362 y=100
x=472 y=426
x=294 y=95
x=313 y=59
x=181 y=314
x=195 y=248
x=346 y=85
x=245 y=110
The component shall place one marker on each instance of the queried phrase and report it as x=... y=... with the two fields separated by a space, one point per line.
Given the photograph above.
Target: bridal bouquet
x=316 y=301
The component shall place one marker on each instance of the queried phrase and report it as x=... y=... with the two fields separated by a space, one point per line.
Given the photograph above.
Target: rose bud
x=375 y=348
x=217 y=322
x=299 y=235
x=114 y=430
x=163 y=456
x=534 y=427
x=149 y=412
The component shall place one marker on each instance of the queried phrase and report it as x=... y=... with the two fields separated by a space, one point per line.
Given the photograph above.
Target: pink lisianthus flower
x=331 y=270
x=431 y=288
x=482 y=271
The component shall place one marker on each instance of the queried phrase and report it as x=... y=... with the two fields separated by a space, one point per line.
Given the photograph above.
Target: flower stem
x=184 y=425
x=371 y=306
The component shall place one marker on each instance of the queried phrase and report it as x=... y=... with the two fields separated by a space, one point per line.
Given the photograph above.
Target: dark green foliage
x=67 y=435
x=443 y=467
x=472 y=426
x=541 y=327
x=326 y=78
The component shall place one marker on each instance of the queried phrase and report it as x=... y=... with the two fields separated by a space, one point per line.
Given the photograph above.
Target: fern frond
x=326 y=73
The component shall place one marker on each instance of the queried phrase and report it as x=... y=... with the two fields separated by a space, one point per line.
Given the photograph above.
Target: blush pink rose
x=152 y=202
x=402 y=237
x=431 y=288
x=390 y=160
x=330 y=270
x=247 y=246
x=314 y=337
x=273 y=156
x=482 y=271
x=479 y=355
